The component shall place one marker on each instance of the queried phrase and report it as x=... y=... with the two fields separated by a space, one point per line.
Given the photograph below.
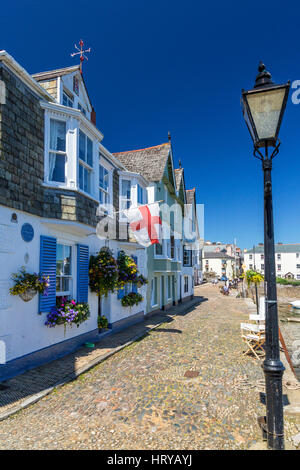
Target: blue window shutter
x=48 y=268
x=121 y=293
x=82 y=273
x=134 y=286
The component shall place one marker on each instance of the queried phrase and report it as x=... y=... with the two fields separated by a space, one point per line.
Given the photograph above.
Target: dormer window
x=82 y=109
x=57 y=151
x=85 y=162
x=67 y=100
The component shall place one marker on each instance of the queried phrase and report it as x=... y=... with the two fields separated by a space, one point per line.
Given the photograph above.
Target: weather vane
x=81 y=52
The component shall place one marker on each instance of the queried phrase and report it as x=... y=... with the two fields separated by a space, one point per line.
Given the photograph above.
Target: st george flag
x=145 y=223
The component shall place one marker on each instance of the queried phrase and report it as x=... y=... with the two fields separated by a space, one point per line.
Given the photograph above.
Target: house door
x=180 y=288
x=162 y=292
x=173 y=289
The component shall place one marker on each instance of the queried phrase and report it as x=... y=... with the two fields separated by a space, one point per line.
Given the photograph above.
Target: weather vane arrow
x=81 y=52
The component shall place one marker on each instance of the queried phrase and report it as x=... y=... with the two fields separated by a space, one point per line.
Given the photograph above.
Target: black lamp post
x=263 y=109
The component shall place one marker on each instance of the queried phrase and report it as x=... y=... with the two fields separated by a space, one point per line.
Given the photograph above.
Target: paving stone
x=140 y=398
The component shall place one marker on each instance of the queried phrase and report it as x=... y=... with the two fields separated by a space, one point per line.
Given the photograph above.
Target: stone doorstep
x=36 y=397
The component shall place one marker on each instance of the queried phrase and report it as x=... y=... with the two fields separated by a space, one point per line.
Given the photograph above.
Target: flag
x=145 y=223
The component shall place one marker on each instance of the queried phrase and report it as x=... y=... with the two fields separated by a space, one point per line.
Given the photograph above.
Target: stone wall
x=22 y=160
x=21 y=147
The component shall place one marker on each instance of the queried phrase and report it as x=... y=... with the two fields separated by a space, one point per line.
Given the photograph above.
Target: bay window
x=103 y=185
x=85 y=162
x=125 y=195
x=57 y=151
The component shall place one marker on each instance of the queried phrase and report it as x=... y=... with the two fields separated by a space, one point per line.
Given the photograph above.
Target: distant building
x=287 y=259
x=219 y=263
x=222 y=258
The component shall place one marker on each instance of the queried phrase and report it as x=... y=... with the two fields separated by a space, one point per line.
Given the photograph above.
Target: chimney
x=93 y=116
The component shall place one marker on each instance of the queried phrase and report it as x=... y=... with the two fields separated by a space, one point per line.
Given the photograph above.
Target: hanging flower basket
x=68 y=312
x=28 y=295
x=28 y=285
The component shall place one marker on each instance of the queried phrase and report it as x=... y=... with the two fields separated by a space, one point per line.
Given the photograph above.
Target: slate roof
x=190 y=195
x=215 y=248
x=216 y=255
x=178 y=176
x=149 y=162
x=279 y=248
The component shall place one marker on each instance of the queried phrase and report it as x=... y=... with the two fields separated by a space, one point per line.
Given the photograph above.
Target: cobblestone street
x=140 y=398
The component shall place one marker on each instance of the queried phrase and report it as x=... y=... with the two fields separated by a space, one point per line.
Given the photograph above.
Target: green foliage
x=102 y=322
x=103 y=273
x=25 y=281
x=253 y=277
x=287 y=282
x=131 y=299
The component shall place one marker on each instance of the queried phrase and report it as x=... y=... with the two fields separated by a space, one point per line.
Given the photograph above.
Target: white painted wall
x=215 y=265
x=288 y=262
x=21 y=327
x=187 y=271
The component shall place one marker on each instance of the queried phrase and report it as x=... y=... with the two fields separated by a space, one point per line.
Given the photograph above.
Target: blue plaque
x=27 y=232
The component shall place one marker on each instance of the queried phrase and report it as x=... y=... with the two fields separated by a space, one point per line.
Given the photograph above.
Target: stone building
x=57 y=181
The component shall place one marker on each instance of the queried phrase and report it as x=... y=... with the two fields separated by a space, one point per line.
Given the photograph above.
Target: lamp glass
x=265 y=108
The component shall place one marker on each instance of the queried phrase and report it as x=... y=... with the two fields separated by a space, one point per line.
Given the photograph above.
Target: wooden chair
x=254 y=337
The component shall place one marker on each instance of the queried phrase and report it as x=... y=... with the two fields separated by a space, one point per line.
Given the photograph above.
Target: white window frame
x=57 y=152
x=71 y=277
x=154 y=292
x=121 y=198
x=68 y=98
x=86 y=166
x=107 y=192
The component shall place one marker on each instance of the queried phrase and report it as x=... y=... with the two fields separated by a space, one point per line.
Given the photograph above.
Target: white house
x=219 y=263
x=287 y=259
x=57 y=181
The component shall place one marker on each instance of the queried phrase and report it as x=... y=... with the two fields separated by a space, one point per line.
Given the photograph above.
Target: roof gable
x=149 y=162
x=71 y=78
x=180 y=184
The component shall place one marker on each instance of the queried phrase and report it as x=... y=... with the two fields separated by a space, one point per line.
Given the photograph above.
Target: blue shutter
x=121 y=293
x=82 y=273
x=48 y=268
x=134 y=286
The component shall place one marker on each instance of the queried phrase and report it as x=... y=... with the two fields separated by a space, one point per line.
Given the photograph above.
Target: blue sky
x=180 y=66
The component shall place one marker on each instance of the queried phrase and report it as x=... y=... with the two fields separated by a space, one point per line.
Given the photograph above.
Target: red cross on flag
x=145 y=223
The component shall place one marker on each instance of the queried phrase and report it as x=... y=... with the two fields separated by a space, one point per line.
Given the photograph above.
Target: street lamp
x=263 y=109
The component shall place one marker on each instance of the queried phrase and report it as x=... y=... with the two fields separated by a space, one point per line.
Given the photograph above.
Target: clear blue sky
x=173 y=65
